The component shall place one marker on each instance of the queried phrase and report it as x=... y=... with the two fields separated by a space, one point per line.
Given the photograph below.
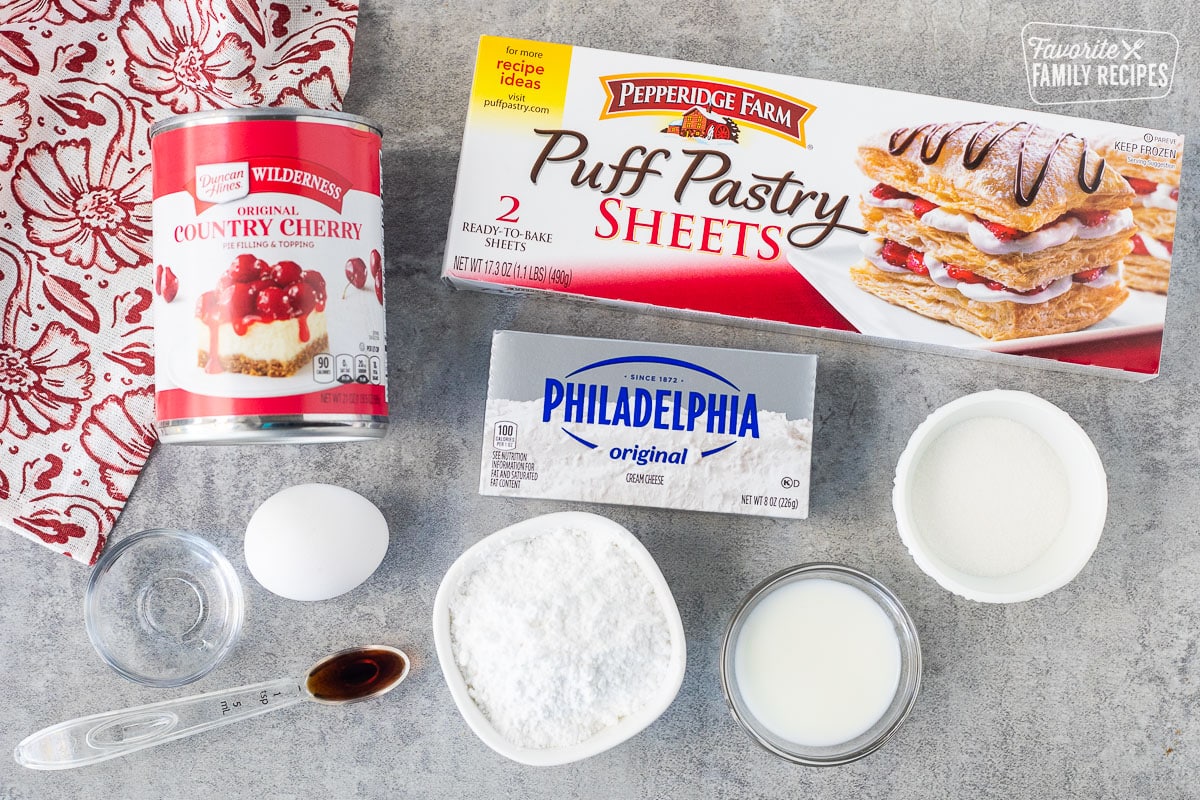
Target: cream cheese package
x=646 y=424
x=753 y=198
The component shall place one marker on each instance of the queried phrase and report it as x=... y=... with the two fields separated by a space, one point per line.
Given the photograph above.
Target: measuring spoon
x=348 y=676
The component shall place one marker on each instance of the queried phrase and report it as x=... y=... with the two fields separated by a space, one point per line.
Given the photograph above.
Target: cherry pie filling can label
x=268 y=277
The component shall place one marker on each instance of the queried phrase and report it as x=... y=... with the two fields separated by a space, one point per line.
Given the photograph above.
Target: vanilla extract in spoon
x=357 y=674
x=349 y=676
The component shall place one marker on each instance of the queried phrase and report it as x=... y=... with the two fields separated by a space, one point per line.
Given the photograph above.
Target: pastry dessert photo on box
x=1004 y=229
x=1148 y=266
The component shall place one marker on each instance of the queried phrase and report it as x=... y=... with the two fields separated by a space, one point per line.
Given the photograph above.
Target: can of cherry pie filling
x=268 y=277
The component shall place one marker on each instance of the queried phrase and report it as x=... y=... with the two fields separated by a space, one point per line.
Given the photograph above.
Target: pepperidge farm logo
x=1085 y=64
x=706 y=108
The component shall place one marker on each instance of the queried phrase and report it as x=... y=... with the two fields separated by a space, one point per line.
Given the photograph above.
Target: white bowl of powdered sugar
x=558 y=638
x=1000 y=496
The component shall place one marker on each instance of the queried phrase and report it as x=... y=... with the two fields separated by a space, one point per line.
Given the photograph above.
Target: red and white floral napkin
x=80 y=83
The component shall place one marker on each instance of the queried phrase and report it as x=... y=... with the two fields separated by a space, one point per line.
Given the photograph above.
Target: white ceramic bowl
x=1087 y=483
x=609 y=737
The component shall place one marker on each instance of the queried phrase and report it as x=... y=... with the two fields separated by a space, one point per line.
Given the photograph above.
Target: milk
x=817 y=662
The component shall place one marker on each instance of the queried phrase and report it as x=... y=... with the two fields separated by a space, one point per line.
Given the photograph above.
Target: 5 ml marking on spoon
x=263 y=697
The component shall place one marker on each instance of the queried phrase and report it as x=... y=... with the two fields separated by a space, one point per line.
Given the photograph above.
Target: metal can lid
x=219 y=115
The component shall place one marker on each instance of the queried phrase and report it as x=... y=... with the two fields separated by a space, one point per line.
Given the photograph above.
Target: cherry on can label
x=268 y=277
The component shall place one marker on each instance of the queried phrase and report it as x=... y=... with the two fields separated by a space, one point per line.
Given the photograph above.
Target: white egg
x=315 y=541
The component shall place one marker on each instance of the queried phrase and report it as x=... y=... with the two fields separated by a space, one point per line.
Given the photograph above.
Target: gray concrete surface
x=1090 y=692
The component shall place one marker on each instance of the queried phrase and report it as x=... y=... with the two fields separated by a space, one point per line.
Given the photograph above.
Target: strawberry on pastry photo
x=1004 y=229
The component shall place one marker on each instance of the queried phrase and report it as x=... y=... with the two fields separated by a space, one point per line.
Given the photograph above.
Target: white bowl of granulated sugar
x=559 y=638
x=1000 y=496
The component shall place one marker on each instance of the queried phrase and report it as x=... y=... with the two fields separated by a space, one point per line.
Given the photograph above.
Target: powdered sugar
x=559 y=636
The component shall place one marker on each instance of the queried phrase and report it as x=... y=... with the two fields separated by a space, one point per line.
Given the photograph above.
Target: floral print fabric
x=81 y=81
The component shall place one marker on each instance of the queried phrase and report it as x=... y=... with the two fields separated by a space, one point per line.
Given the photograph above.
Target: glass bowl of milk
x=821 y=664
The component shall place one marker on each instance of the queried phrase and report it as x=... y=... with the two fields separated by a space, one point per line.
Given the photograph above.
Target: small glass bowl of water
x=821 y=664
x=163 y=607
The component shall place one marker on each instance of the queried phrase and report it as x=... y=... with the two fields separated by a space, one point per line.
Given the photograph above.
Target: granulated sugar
x=990 y=496
x=558 y=637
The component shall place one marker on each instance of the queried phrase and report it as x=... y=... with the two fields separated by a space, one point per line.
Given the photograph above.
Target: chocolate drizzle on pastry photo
x=1004 y=229
x=1148 y=267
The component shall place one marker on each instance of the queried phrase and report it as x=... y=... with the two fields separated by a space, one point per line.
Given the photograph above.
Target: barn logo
x=706 y=108
x=701 y=123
